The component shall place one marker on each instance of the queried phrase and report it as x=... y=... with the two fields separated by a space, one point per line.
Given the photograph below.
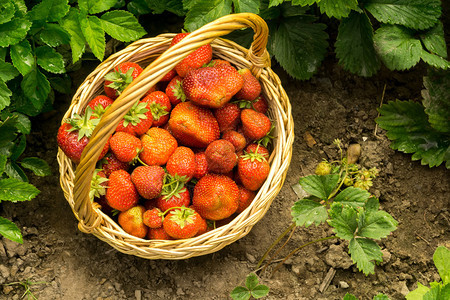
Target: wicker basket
x=152 y=52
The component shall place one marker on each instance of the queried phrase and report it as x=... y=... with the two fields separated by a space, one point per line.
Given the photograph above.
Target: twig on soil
x=381 y=103
x=423 y=239
x=425 y=220
x=327 y=280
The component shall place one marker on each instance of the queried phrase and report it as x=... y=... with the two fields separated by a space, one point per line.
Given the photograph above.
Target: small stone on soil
x=343 y=285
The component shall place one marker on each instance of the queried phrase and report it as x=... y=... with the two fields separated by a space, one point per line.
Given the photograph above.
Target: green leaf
x=343 y=220
x=5 y=95
x=354 y=45
x=3 y=53
x=381 y=297
x=435 y=60
x=7 y=71
x=416 y=14
x=19 y=148
x=436 y=99
x=337 y=8
x=138 y=7
x=354 y=197
x=13 y=171
x=251 y=6
x=173 y=6
x=15 y=190
x=260 y=291
x=437 y=292
x=376 y=225
x=243 y=37
x=306 y=212
x=251 y=281
x=205 y=11
x=273 y=3
x=72 y=25
x=50 y=60
x=50 y=10
x=434 y=41
x=365 y=253
x=62 y=83
x=300 y=45
x=349 y=297
x=38 y=166
x=288 y=10
x=95 y=6
x=418 y=293
x=36 y=88
x=397 y=47
x=304 y=2
x=10 y=230
x=21 y=8
x=407 y=127
x=7 y=10
x=441 y=258
x=240 y=293
x=3 y=159
x=7 y=135
x=320 y=186
x=92 y=29
x=122 y=25
x=23 y=123
x=54 y=35
x=269 y=13
x=13 y=31
x=22 y=57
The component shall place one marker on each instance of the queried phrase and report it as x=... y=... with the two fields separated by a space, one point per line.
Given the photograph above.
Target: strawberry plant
x=437 y=290
x=251 y=289
x=422 y=129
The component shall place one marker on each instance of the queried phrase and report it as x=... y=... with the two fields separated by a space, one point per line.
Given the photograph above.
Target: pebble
x=386 y=257
x=138 y=294
x=343 y=285
x=7 y=289
x=250 y=258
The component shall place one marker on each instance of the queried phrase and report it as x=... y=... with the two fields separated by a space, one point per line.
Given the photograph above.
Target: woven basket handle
x=89 y=218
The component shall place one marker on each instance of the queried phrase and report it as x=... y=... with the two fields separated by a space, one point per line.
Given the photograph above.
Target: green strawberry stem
x=140 y=160
x=183 y=208
x=280 y=237
x=84 y=124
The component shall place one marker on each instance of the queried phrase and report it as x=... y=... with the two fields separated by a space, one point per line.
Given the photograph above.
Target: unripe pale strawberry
x=132 y=221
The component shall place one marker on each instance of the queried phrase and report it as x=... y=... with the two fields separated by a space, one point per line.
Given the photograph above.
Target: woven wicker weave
x=152 y=52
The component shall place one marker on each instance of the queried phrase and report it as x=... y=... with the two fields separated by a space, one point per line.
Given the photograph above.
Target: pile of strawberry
x=189 y=156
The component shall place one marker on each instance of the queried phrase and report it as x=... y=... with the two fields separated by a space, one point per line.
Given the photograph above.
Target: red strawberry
x=125 y=146
x=73 y=135
x=251 y=87
x=253 y=170
x=132 y=221
x=110 y=163
x=99 y=105
x=192 y=125
x=245 y=198
x=120 y=78
x=158 y=145
x=159 y=106
x=215 y=197
x=121 y=193
x=217 y=62
x=228 y=116
x=212 y=86
x=194 y=60
x=148 y=180
x=258 y=148
x=201 y=165
x=169 y=76
x=137 y=120
x=238 y=140
x=255 y=125
x=173 y=196
x=174 y=91
x=182 y=162
x=221 y=156
x=153 y=218
x=158 y=234
x=182 y=223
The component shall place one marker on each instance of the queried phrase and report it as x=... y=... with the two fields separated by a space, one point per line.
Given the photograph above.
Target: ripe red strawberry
x=238 y=140
x=148 y=180
x=169 y=76
x=73 y=135
x=153 y=218
x=173 y=196
x=175 y=92
x=245 y=198
x=228 y=116
x=121 y=193
x=192 y=125
x=255 y=125
x=137 y=120
x=158 y=234
x=132 y=221
x=182 y=223
x=251 y=87
x=120 y=78
x=201 y=165
x=99 y=105
x=195 y=60
x=221 y=156
x=258 y=148
x=159 y=106
x=157 y=146
x=182 y=162
x=217 y=62
x=215 y=197
x=125 y=146
x=110 y=163
x=253 y=170
x=212 y=86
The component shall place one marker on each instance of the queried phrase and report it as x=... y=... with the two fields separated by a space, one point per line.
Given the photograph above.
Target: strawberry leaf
x=349 y=297
x=354 y=45
x=260 y=291
x=10 y=231
x=122 y=25
x=71 y=24
x=418 y=294
x=374 y=223
x=251 y=6
x=14 y=190
x=92 y=29
x=95 y=6
x=304 y=2
x=337 y=8
x=441 y=258
x=381 y=297
x=416 y=14
x=436 y=99
x=22 y=57
x=320 y=186
x=365 y=253
x=49 y=10
x=13 y=31
x=54 y=35
x=434 y=60
x=343 y=219
x=306 y=212
x=50 y=60
x=240 y=293
x=251 y=281
x=36 y=88
x=5 y=95
x=38 y=166
x=354 y=197
x=7 y=10
x=407 y=127
x=205 y=11
x=434 y=41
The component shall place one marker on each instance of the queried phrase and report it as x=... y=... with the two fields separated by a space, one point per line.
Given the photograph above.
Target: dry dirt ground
x=68 y=264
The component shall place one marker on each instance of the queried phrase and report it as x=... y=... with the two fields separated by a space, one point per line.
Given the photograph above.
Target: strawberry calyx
x=158 y=110
x=252 y=156
x=83 y=124
x=99 y=110
x=98 y=188
x=173 y=185
x=182 y=216
x=135 y=114
x=119 y=80
x=267 y=139
x=178 y=92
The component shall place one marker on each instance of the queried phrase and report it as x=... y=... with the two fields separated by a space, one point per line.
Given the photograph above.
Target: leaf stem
x=275 y=243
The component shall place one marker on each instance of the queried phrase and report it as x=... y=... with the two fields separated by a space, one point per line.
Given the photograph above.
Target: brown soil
x=335 y=104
